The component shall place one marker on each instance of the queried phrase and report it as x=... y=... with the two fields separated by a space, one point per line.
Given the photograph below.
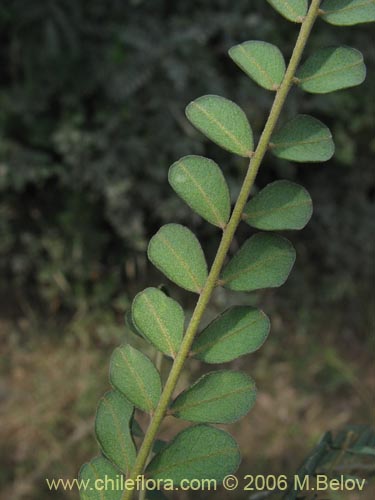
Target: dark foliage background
x=92 y=101
x=91 y=116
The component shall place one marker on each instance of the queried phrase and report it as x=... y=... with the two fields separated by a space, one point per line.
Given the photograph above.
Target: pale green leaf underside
x=112 y=428
x=99 y=468
x=222 y=121
x=303 y=139
x=280 y=205
x=261 y=61
x=198 y=452
x=263 y=261
x=219 y=397
x=293 y=10
x=201 y=184
x=135 y=376
x=238 y=331
x=176 y=252
x=348 y=12
x=160 y=319
x=330 y=69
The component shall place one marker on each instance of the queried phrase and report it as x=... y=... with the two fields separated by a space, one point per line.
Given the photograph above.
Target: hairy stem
x=225 y=243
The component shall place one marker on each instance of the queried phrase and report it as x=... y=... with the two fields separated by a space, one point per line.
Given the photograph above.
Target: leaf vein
x=262 y=70
x=227 y=336
x=163 y=328
x=255 y=266
x=221 y=127
x=257 y=213
x=120 y=432
x=183 y=262
x=210 y=400
x=139 y=381
x=322 y=74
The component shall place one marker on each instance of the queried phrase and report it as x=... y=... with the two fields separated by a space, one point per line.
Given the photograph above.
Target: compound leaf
x=264 y=260
x=99 y=468
x=201 y=184
x=219 y=397
x=303 y=139
x=330 y=69
x=348 y=12
x=159 y=319
x=280 y=205
x=198 y=452
x=222 y=121
x=112 y=427
x=176 y=252
x=135 y=376
x=239 y=330
x=293 y=10
x=261 y=61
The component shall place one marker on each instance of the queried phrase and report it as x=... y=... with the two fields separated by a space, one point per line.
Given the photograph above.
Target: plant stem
x=225 y=243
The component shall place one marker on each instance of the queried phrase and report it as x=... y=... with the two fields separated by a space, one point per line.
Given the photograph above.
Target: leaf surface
x=261 y=61
x=303 y=139
x=198 y=452
x=239 y=330
x=219 y=397
x=348 y=12
x=330 y=69
x=201 y=184
x=263 y=261
x=176 y=252
x=134 y=375
x=112 y=427
x=222 y=121
x=160 y=319
x=99 y=468
x=293 y=10
x=280 y=205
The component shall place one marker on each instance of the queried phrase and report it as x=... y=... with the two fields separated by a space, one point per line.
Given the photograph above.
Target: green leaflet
x=330 y=69
x=176 y=252
x=198 y=452
x=348 y=12
x=293 y=10
x=201 y=184
x=112 y=427
x=135 y=376
x=222 y=121
x=159 y=319
x=239 y=330
x=136 y=429
x=219 y=397
x=263 y=261
x=99 y=468
x=303 y=139
x=261 y=61
x=280 y=205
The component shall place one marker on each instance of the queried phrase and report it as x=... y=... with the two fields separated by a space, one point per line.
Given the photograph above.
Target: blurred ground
x=312 y=375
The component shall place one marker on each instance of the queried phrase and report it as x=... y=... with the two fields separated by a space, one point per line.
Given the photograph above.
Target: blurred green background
x=92 y=104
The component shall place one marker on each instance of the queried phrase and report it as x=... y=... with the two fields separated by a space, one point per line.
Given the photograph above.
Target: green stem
x=225 y=243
